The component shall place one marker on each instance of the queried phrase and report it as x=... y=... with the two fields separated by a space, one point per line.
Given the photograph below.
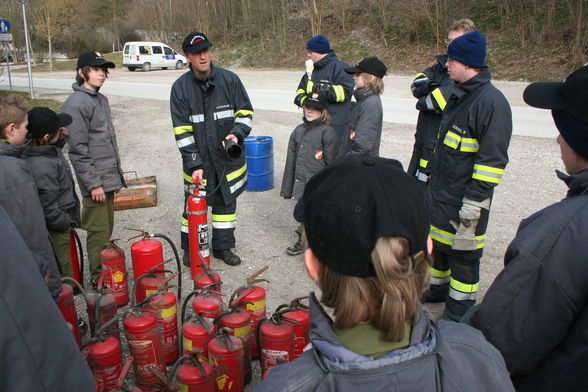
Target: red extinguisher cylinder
x=105 y=307
x=105 y=361
x=197 y=333
x=208 y=305
x=208 y=281
x=226 y=360
x=74 y=257
x=146 y=255
x=144 y=339
x=300 y=320
x=239 y=325
x=67 y=307
x=167 y=318
x=195 y=378
x=198 y=238
x=253 y=302
x=149 y=284
x=115 y=273
x=277 y=344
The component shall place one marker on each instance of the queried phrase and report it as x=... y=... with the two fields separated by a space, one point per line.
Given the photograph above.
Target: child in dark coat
x=312 y=146
x=46 y=134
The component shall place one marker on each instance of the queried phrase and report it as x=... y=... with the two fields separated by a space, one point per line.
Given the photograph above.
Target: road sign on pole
x=4 y=26
x=4 y=37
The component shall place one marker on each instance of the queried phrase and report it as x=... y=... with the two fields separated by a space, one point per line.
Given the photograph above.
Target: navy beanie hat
x=469 y=49
x=318 y=43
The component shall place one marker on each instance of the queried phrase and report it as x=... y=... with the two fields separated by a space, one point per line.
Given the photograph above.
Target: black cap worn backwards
x=356 y=200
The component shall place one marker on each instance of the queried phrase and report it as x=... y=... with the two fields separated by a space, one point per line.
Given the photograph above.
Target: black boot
x=186 y=259
x=295 y=249
x=454 y=309
x=227 y=256
x=436 y=294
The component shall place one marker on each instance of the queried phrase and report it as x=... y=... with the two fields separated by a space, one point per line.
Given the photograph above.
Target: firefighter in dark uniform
x=209 y=108
x=432 y=81
x=327 y=77
x=469 y=161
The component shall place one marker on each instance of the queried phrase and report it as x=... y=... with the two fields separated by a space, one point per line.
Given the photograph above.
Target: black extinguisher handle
x=177 y=256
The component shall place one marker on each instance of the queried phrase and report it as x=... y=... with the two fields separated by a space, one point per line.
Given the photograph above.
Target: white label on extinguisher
x=272 y=358
x=203 y=236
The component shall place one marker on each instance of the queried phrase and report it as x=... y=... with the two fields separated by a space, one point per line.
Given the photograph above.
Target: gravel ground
x=265 y=223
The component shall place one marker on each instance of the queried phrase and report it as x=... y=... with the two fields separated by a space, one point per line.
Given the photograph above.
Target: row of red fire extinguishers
x=207 y=349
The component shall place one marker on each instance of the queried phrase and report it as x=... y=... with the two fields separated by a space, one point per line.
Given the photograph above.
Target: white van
x=149 y=55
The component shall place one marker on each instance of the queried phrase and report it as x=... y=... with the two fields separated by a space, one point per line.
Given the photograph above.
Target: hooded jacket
x=203 y=113
x=93 y=150
x=20 y=198
x=312 y=146
x=442 y=356
x=329 y=77
x=364 y=126
x=470 y=158
x=56 y=187
x=536 y=312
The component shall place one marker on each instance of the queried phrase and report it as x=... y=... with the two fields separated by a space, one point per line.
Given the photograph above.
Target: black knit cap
x=356 y=200
x=195 y=42
x=43 y=121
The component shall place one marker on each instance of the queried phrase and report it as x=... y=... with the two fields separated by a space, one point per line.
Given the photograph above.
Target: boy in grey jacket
x=94 y=153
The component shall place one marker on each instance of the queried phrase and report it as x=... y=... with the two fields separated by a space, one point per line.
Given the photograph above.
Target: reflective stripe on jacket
x=470 y=156
x=204 y=112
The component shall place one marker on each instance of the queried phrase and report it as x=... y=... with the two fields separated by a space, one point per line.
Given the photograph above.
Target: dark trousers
x=462 y=276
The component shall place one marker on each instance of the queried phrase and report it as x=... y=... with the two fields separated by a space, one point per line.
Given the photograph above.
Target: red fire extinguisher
x=105 y=361
x=276 y=342
x=198 y=229
x=225 y=355
x=208 y=304
x=238 y=323
x=208 y=280
x=147 y=255
x=115 y=272
x=67 y=307
x=76 y=254
x=192 y=374
x=152 y=282
x=167 y=317
x=252 y=299
x=300 y=320
x=101 y=308
x=144 y=339
x=197 y=331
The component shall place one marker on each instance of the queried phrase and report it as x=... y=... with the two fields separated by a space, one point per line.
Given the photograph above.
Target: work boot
x=227 y=256
x=454 y=309
x=186 y=259
x=436 y=293
x=94 y=283
x=295 y=249
x=82 y=327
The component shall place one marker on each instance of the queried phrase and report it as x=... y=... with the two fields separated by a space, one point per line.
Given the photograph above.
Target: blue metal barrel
x=259 y=153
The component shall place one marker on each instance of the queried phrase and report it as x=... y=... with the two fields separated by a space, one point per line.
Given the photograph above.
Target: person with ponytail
x=369 y=253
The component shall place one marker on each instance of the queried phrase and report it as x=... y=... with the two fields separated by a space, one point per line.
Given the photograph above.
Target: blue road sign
x=4 y=26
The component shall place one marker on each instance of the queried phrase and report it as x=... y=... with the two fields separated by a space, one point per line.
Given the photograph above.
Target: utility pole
x=26 y=31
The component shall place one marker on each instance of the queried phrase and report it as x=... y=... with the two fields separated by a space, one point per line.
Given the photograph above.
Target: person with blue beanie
x=468 y=163
x=325 y=75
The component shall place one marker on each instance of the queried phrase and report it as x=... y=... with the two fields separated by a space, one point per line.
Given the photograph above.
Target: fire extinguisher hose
x=80 y=253
x=177 y=256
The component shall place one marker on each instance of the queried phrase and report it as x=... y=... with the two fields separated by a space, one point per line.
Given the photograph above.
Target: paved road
x=274 y=90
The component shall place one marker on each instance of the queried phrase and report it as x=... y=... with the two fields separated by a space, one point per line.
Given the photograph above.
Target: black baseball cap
x=93 y=59
x=356 y=200
x=43 y=121
x=316 y=100
x=371 y=65
x=570 y=95
x=195 y=42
